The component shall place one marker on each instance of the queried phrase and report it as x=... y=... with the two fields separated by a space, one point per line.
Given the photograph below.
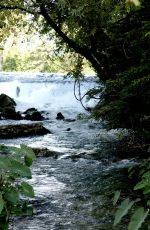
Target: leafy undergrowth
x=138 y=203
x=14 y=169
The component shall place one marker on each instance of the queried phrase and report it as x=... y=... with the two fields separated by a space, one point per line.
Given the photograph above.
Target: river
x=71 y=193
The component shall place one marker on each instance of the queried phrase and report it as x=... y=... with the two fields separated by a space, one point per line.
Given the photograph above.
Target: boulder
x=44 y=152
x=69 y=129
x=22 y=130
x=33 y=115
x=10 y=113
x=7 y=108
x=6 y=101
x=60 y=116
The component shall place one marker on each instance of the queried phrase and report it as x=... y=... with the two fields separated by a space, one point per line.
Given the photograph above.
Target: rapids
x=69 y=194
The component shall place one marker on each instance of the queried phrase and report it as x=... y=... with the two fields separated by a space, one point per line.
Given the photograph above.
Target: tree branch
x=83 y=50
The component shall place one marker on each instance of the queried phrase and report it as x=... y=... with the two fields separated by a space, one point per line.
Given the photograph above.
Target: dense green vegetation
x=138 y=201
x=14 y=167
x=114 y=37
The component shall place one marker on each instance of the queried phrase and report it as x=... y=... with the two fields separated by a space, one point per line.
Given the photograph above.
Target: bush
x=14 y=168
x=138 y=205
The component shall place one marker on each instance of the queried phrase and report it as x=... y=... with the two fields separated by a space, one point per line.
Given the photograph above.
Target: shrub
x=14 y=168
x=138 y=208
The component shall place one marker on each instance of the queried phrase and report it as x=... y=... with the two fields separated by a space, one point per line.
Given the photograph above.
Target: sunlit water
x=68 y=194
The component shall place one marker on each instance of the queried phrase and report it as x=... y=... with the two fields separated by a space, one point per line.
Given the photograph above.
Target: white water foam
x=53 y=93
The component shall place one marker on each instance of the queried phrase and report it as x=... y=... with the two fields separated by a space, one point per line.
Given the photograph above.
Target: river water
x=70 y=193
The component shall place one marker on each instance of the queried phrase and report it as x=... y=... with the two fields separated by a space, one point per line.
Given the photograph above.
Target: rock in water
x=22 y=130
x=6 y=101
x=7 y=108
x=70 y=120
x=45 y=152
x=10 y=113
x=69 y=129
x=60 y=116
x=33 y=115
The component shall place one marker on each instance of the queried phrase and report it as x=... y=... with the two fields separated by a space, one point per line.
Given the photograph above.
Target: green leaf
x=137 y=219
x=116 y=197
x=12 y=195
x=28 y=160
x=21 y=169
x=27 y=150
x=23 y=210
x=146 y=190
x=9 y=149
x=11 y=166
x=146 y=175
x=18 y=153
x=29 y=155
x=1 y=204
x=4 y=163
x=26 y=189
x=123 y=210
x=16 y=210
x=28 y=211
x=141 y=184
x=148 y=202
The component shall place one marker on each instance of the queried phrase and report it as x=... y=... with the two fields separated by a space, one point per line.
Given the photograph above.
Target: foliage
x=123 y=210
x=14 y=167
x=9 y=22
x=125 y=101
x=141 y=201
x=28 y=52
x=10 y=64
x=114 y=37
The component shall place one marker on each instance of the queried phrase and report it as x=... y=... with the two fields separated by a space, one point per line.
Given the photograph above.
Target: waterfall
x=43 y=91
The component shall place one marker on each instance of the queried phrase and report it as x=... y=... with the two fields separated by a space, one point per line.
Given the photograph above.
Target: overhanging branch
x=82 y=50
x=41 y=10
